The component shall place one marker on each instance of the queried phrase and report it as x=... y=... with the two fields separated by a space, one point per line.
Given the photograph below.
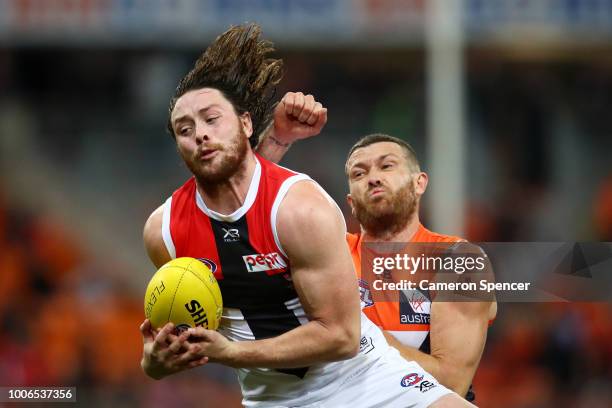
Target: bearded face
x=383 y=188
x=210 y=136
x=387 y=212
x=225 y=162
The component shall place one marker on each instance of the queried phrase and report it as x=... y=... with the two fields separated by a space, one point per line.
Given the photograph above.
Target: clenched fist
x=298 y=116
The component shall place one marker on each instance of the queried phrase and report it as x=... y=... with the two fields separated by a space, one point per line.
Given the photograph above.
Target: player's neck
x=403 y=235
x=227 y=196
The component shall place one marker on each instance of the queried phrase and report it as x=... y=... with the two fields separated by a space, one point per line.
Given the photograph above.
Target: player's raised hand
x=165 y=353
x=298 y=116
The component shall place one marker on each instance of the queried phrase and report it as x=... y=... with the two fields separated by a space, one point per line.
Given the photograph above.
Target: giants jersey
x=407 y=320
x=254 y=274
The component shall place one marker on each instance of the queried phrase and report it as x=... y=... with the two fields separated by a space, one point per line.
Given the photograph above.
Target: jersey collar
x=240 y=212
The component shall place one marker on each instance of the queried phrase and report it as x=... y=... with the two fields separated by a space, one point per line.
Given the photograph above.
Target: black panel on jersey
x=470 y=396
x=248 y=290
x=425 y=346
x=260 y=297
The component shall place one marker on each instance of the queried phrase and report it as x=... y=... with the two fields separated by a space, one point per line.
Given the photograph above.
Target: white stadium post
x=445 y=115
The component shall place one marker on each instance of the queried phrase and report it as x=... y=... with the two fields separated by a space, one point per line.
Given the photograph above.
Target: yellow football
x=185 y=292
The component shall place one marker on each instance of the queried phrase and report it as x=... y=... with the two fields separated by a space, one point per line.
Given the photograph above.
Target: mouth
x=207 y=154
x=377 y=192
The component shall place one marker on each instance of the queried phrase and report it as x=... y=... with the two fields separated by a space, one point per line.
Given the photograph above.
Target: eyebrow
x=203 y=110
x=378 y=159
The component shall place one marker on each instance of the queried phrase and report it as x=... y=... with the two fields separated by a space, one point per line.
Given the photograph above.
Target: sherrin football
x=185 y=292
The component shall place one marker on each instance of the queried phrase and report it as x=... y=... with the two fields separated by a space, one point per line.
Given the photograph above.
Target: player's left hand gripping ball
x=185 y=292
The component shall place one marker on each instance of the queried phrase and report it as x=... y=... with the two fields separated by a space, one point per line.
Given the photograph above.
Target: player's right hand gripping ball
x=185 y=292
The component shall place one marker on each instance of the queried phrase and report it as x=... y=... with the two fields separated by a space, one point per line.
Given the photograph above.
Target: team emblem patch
x=411 y=379
x=211 y=265
x=365 y=294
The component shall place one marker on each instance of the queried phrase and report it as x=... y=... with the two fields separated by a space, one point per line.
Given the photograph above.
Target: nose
x=201 y=134
x=374 y=180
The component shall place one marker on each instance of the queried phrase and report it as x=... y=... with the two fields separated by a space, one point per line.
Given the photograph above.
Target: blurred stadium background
x=520 y=145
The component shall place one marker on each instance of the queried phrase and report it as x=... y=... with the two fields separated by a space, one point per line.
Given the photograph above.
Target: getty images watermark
x=507 y=272
x=435 y=263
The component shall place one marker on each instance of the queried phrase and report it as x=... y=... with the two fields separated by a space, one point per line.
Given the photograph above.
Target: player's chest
x=243 y=257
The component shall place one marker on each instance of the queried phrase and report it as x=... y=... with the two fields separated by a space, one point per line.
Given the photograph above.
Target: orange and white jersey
x=409 y=318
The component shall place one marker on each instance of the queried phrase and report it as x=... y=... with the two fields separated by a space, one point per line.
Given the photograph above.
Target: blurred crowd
x=538 y=168
x=63 y=322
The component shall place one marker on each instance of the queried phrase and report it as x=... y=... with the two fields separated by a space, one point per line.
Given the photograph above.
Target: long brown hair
x=237 y=65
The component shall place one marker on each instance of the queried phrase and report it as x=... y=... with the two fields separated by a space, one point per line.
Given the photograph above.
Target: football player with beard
x=291 y=323
x=385 y=189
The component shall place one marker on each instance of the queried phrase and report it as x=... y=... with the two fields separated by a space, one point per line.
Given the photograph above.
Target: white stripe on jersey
x=166 y=235
x=234 y=326
x=282 y=192
x=296 y=306
x=410 y=338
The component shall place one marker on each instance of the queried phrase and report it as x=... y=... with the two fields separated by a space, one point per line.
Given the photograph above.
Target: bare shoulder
x=306 y=203
x=153 y=238
x=153 y=226
x=308 y=214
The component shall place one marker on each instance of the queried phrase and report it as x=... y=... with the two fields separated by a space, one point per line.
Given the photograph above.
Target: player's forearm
x=308 y=344
x=458 y=334
x=270 y=148
x=456 y=377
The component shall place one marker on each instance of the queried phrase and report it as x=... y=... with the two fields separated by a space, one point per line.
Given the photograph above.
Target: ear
x=349 y=200
x=420 y=183
x=246 y=123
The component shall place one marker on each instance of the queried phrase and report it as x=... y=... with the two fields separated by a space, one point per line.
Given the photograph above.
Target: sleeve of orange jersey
x=372 y=312
x=353 y=243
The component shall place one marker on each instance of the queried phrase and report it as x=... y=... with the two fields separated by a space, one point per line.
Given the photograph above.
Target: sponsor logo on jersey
x=211 y=265
x=365 y=294
x=414 y=319
x=414 y=379
x=264 y=262
x=231 y=234
x=415 y=307
x=418 y=302
x=426 y=386
x=366 y=345
x=411 y=379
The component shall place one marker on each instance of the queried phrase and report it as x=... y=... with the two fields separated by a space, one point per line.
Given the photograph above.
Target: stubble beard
x=387 y=217
x=212 y=175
